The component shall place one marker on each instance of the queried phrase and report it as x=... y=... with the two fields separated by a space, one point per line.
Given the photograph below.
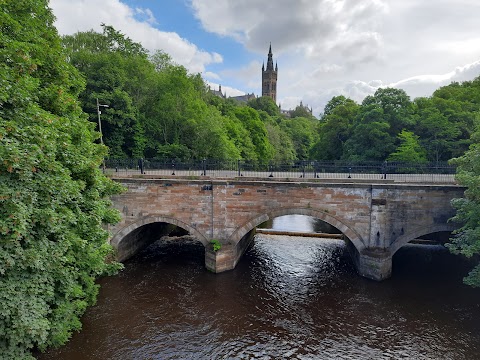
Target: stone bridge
x=376 y=219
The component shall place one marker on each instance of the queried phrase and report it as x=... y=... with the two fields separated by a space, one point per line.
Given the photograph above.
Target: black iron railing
x=397 y=171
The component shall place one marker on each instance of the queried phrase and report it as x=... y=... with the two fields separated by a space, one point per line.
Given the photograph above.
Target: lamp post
x=99 y=122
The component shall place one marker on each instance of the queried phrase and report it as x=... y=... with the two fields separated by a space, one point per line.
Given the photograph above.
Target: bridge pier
x=375 y=264
x=228 y=256
x=221 y=260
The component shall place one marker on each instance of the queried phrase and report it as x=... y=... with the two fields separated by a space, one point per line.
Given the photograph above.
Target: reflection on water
x=302 y=223
x=288 y=298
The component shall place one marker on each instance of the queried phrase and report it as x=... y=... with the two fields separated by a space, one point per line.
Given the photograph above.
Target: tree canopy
x=466 y=240
x=53 y=197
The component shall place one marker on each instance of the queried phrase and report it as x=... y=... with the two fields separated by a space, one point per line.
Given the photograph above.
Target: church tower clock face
x=269 y=77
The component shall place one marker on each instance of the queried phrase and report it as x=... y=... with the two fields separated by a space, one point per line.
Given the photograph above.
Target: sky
x=323 y=48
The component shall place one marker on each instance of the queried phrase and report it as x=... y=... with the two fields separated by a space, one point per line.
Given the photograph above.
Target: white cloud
x=323 y=47
x=226 y=90
x=338 y=47
x=83 y=15
x=147 y=15
x=249 y=74
x=311 y=26
x=210 y=75
x=425 y=85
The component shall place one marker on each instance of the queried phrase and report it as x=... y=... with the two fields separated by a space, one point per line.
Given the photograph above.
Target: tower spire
x=269 y=77
x=270 y=58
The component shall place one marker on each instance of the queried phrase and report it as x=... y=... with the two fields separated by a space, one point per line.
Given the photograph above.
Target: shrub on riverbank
x=53 y=197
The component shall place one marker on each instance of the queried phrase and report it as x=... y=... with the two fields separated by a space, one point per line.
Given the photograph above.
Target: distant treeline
x=158 y=110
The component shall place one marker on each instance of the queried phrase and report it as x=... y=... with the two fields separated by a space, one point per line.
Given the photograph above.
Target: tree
x=284 y=150
x=396 y=106
x=409 y=149
x=370 y=139
x=439 y=136
x=115 y=69
x=302 y=132
x=466 y=240
x=266 y=104
x=53 y=197
x=335 y=128
x=250 y=119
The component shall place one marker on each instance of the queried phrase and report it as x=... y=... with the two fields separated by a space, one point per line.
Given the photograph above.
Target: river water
x=288 y=298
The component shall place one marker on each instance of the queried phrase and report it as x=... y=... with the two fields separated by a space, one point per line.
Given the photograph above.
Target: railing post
x=385 y=169
x=173 y=167
x=204 y=161
x=239 y=166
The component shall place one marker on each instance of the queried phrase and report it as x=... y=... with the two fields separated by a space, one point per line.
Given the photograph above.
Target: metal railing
x=395 y=171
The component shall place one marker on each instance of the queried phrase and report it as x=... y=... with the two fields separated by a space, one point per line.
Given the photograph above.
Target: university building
x=269 y=86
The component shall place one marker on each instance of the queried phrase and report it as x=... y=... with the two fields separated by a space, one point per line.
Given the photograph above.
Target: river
x=288 y=298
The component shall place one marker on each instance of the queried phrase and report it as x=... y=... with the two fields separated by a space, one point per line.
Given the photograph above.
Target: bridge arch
x=418 y=232
x=127 y=241
x=323 y=215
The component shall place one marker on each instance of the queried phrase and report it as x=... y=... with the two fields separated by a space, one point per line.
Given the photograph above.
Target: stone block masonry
x=376 y=219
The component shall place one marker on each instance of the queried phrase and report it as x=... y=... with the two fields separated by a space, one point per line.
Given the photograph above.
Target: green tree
x=370 y=139
x=439 y=136
x=409 y=149
x=116 y=69
x=335 y=128
x=250 y=119
x=396 y=107
x=282 y=144
x=53 y=197
x=303 y=134
x=266 y=104
x=466 y=240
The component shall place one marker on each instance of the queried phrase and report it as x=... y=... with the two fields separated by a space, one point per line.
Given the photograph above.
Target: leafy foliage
x=377 y=129
x=409 y=149
x=53 y=198
x=467 y=238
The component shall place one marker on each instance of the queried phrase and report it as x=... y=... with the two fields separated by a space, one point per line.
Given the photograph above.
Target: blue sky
x=177 y=16
x=323 y=47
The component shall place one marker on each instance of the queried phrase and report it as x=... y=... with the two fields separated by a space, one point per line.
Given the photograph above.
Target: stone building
x=269 y=88
x=269 y=77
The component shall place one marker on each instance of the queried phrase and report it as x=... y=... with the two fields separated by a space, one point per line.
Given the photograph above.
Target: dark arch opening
x=439 y=237
x=436 y=239
x=136 y=236
x=146 y=235
x=437 y=232
x=428 y=260
x=141 y=237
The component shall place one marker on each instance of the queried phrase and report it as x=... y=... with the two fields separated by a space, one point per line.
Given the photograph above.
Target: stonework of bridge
x=376 y=219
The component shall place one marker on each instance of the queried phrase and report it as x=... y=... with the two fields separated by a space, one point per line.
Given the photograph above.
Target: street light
x=99 y=122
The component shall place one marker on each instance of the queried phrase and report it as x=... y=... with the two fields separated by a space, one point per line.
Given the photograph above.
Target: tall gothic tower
x=269 y=77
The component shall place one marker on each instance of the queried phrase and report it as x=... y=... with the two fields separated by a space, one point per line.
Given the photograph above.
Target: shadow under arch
x=418 y=232
x=133 y=237
x=346 y=230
